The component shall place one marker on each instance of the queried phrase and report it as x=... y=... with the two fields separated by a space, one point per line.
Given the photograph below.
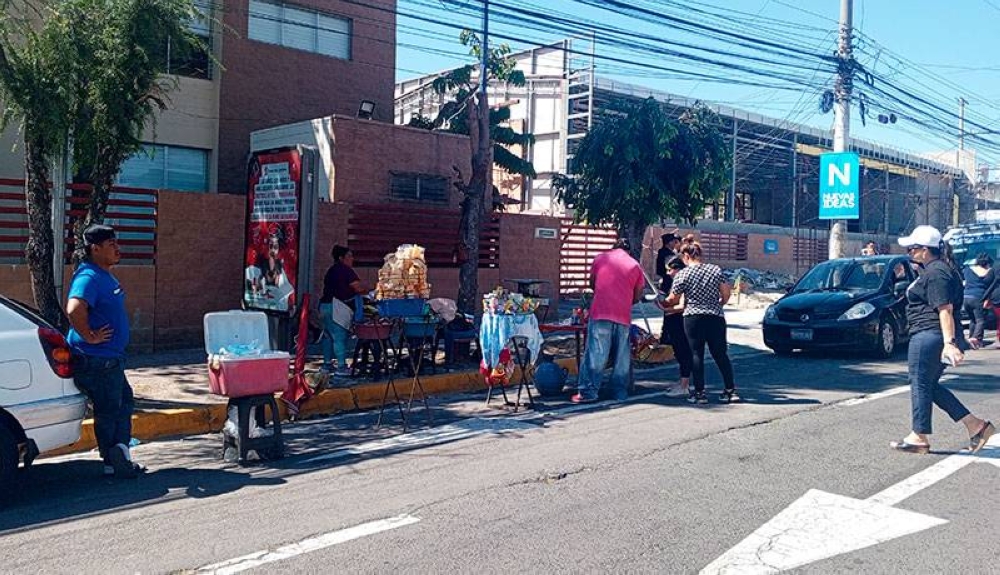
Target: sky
x=934 y=50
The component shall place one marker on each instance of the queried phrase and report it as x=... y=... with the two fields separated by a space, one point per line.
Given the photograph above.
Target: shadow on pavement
x=74 y=489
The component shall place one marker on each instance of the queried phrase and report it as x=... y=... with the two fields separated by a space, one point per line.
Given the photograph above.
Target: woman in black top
x=673 y=331
x=931 y=302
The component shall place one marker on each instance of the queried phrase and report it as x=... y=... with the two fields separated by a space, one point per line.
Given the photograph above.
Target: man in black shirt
x=931 y=302
x=670 y=242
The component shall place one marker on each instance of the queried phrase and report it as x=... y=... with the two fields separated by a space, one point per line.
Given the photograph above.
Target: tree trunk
x=634 y=233
x=96 y=208
x=473 y=208
x=39 y=250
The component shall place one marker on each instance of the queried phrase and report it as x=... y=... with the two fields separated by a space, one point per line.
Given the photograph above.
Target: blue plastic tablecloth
x=496 y=331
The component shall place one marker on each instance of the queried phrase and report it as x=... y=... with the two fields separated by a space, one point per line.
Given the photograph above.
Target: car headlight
x=858 y=311
x=771 y=313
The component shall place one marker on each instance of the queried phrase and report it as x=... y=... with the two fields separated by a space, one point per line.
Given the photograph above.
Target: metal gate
x=580 y=244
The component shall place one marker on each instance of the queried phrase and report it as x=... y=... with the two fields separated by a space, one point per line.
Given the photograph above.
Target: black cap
x=670 y=237
x=98 y=233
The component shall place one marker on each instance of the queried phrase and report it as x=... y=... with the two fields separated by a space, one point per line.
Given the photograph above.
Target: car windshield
x=848 y=275
x=966 y=253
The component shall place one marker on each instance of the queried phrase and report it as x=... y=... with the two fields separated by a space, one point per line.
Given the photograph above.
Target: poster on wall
x=274 y=206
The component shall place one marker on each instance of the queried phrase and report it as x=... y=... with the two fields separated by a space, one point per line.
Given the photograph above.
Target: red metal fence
x=132 y=212
x=373 y=230
x=580 y=244
x=724 y=247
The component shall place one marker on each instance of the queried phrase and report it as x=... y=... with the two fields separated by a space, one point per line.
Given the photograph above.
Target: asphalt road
x=650 y=485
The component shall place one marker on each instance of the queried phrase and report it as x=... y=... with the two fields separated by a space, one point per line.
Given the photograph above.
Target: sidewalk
x=173 y=398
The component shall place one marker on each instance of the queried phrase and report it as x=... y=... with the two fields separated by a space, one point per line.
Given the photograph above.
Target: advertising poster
x=273 y=226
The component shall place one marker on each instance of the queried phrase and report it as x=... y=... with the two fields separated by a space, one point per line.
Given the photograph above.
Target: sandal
x=907 y=447
x=977 y=441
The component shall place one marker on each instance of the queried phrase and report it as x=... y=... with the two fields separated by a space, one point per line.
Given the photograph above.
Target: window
x=299 y=28
x=196 y=62
x=168 y=168
x=419 y=187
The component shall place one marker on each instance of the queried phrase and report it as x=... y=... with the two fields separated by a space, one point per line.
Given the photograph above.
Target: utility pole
x=961 y=125
x=842 y=110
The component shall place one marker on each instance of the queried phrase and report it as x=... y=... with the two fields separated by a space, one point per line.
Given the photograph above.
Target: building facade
x=273 y=62
x=776 y=162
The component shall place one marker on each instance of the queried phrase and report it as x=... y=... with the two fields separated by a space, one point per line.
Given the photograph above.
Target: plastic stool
x=269 y=445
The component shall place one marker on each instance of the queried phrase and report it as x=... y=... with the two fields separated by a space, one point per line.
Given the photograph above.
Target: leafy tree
x=638 y=166
x=467 y=114
x=89 y=71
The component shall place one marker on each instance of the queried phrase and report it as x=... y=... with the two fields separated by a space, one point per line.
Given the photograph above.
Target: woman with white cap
x=931 y=302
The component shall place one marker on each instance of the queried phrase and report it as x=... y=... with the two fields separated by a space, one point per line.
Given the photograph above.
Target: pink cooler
x=240 y=376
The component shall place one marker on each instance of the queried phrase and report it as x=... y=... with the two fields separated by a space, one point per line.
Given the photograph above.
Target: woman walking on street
x=673 y=331
x=931 y=302
x=978 y=278
x=705 y=291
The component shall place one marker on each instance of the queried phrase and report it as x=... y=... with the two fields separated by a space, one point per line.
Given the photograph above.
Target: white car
x=40 y=407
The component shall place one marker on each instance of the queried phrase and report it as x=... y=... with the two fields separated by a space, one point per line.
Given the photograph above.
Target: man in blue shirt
x=99 y=335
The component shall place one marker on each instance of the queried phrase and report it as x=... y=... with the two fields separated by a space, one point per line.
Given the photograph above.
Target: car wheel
x=8 y=462
x=886 y=343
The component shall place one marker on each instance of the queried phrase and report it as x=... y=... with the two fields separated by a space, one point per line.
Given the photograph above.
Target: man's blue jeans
x=103 y=381
x=603 y=339
x=925 y=369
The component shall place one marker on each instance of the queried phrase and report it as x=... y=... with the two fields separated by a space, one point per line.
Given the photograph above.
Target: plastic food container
x=373 y=331
x=239 y=376
x=401 y=307
x=419 y=327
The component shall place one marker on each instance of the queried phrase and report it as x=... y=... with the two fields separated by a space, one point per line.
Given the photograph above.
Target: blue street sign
x=770 y=246
x=839 y=191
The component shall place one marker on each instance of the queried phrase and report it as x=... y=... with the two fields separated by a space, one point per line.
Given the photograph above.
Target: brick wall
x=199 y=263
x=522 y=255
x=365 y=153
x=265 y=85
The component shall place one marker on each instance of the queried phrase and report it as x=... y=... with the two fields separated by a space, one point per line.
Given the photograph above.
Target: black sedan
x=846 y=304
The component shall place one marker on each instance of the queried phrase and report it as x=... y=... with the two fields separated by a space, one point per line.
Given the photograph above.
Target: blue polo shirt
x=106 y=302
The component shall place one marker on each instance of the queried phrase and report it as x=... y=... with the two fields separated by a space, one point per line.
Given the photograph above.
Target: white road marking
x=817 y=526
x=875 y=396
x=915 y=483
x=822 y=525
x=317 y=543
x=462 y=429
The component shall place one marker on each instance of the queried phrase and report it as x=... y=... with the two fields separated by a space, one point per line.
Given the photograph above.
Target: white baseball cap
x=926 y=236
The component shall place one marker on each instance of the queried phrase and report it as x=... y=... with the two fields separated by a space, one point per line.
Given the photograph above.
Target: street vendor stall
x=509 y=338
x=401 y=295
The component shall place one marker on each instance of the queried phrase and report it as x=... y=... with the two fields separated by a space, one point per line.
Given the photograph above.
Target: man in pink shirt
x=618 y=283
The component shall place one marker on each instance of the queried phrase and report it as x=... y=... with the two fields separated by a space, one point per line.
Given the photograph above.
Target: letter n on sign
x=839 y=186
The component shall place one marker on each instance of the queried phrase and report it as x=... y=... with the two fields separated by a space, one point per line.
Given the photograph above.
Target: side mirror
x=899 y=288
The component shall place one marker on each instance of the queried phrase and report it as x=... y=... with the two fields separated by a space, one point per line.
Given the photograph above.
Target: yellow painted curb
x=157 y=424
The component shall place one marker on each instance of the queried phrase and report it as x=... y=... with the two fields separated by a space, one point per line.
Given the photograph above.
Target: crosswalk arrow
x=818 y=526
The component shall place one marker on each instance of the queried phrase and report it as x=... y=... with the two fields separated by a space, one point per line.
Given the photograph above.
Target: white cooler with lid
x=239 y=376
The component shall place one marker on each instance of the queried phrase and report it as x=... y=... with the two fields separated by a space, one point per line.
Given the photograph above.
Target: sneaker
x=730 y=396
x=701 y=398
x=581 y=399
x=122 y=464
x=692 y=397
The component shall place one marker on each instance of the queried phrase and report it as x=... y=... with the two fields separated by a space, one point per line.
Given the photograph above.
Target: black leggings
x=673 y=333
x=710 y=329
